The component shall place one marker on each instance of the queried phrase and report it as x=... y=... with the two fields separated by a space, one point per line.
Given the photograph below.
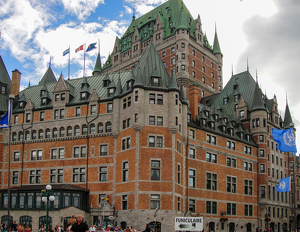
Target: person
x=27 y=228
x=21 y=228
x=92 y=228
x=14 y=226
x=148 y=229
x=108 y=228
x=57 y=228
x=71 y=222
x=42 y=229
x=3 y=226
x=80 y=226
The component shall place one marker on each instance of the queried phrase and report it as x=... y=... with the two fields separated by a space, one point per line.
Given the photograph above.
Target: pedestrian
x=14 y=226
x=27 y=228
x=148 y=229
x=80 y=226
x=42 y=229
x=92 y=228
x=3 y=226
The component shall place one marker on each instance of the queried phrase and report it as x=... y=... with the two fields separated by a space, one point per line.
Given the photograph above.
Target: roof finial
x=215 y=26
x=286 y=97
x=50 y=62
x=231 y=69
x=247 y=65
x=181 y=3
x=29 y=83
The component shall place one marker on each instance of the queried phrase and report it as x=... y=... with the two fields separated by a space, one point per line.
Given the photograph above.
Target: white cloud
x=81 y=8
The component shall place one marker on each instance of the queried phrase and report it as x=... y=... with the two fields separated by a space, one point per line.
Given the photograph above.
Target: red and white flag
x=79 y=48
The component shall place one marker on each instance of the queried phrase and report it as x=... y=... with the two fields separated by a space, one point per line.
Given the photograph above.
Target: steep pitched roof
x=4 y=78
x=216 y=46
x=257 y=103
x=48 y=77
x=97 y=64
x=287 y=117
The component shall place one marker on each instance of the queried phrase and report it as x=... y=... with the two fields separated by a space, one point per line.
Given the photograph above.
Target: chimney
x=15 y=82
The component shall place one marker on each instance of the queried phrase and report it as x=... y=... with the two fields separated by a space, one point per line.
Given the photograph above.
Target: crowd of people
x=74 y=225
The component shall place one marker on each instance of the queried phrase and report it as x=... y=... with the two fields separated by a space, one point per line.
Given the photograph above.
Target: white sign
x=189 y=223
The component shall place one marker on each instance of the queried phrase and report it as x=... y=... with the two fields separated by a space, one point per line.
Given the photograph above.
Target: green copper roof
x=287 y=117
x=48 y=77
x=257 y=103
x=98 y=64
x=216 y=47
x=173 y=83
x=182 y=24
x=4 y=78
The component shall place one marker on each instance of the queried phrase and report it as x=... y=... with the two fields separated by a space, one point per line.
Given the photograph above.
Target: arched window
x=100 y=127
x=84 y=129
x=21 y=136
x=62 y=132
x=41 y=134
x=77 y=131
x=92 y=128
x=27 y=135
x=47 y=136
x=54 y=133
x=33 y=135
x=42 y=221
x=108 y=127
x=26 y=220
x=69 y=131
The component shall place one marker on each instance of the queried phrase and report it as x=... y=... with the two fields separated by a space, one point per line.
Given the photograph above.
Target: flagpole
x=84 y=61
x=11 y=98
x=69 y=64
x=294 y=190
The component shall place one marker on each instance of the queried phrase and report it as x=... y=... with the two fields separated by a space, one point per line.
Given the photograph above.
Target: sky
x=263 y=34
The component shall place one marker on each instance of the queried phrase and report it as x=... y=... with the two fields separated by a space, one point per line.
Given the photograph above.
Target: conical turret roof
x=287 y=117
x=258 y=103
x=216 y=47
x=48 y=77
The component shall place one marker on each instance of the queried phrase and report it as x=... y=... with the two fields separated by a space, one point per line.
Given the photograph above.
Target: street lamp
x=47 y=194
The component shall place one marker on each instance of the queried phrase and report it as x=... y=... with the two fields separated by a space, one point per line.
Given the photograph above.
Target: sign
x=189 y=223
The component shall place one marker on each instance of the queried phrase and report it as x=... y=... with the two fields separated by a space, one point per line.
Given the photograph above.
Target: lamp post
x=47 y=194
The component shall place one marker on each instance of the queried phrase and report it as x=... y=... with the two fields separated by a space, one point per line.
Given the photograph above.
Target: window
x=155 y=201
x=160 y=99
x=163 y=54
x=41 y=134
x=16 y=156
x=262 y=153
x=248 y=166
x=155 y=170
x=211 y=139
x=194 y=74
x=56 y=175
x=103 y=150
x=28 y=117
x=108 y=127
x=211 y=157
x=77 y=111
x=231 y=209
x=203 y=69
x=103 y=173
x=192 y=178
x=179 y=146
x=36 y=155
x=211 y=181
x=192 y=134
x=109 y=108
x=172 y=50
x=172 y=60
x=15 y=177
x=262 y=190
x=231 y=162
x=211 y=207
x=230 y=145
x=183 y=67
x=56 y=97
x=151 y=120
x=192 y=205
x=124 y=202
x=183 y=45
x=16 y=119
x=159 y=121
x=192 y=153
x=182 y=55
x=248 y=210
x=78 y=174
x=79 y=151
x=125 y=167
x=125 y=143
x=248 y=187
x=35 y=176
x=178 y=173
x=93 y=109
x=231 y=184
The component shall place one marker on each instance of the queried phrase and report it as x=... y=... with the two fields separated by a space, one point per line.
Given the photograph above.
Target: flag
x=79 y=48
x=66 y=52
x=4 y=123
x=284 y=185
x=285 y=140
x=5 y=118
x=91 y=47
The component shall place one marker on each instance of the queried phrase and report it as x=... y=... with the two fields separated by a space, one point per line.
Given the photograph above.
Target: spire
x=232 y=70
x=288 y=121
x=247 y=65
x=256 y=76
x=48 y=77
x=172 y=83
x=216 y=47
x=182 y=24
x=257 y=103
x=97 y=68
x=50 y=62
x=133 y=14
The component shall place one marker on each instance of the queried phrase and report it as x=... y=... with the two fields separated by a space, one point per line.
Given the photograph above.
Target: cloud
x=81 y=8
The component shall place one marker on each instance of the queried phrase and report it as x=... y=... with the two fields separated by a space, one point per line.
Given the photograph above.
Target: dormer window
x=62 y=96
x=235 y=86
x=212 y=125
x=236 y=97
x=129 y=84
x=42 y=92
x=111 y=92
x=44 y=101
x=242 y=135
x=3 y=89
x=21 y=105
x=56 y=97
x=155 y=81
x=225 y=101
x=83 y=96
x=106 y=83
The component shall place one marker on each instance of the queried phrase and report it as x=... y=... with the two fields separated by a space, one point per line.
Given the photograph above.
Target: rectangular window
x=61 y=113
x=28 y=117
x=262 y=191
x=15 y=177
x=151 y=120
x=56 y=112
x=231 y=162
x=16 y=156
x=42 y=116
x=159 y=141
x=77 y=111
x=103 y=173
x=35 y=176
x=159 y=121
x=160 y=100
x=248 y=187
x=211 y=181
x=192 y=134
x=155 y=201
x=192 y=153
x=109 y=108
x=231 y=209
x=178 y=174
x=155 y=170
x=192 y=178
x=125 y=169
x=93 y=110
x=211 y=207
x=103 y=150
x=231 y=184
x=152 y=98
x=56 y=175
x=124 y=202
x=192 y=205
x=248 y=210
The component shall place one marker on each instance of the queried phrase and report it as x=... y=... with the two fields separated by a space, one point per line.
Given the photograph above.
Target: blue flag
x=4 y=123
x=91 y=47
x=285 y=140
x=66 y=52
x=284 y=185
